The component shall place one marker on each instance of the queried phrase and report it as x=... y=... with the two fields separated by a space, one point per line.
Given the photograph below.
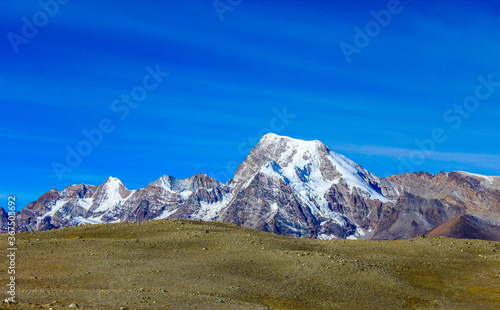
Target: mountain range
x=290 y=187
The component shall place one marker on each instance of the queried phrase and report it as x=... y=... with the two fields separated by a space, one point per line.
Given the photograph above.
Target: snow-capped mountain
x=287 y=186
x=294 y=187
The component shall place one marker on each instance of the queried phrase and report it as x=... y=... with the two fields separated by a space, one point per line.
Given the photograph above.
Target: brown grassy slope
x=202 y=265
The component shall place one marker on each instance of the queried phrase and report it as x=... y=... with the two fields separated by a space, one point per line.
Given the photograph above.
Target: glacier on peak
x=310 y=166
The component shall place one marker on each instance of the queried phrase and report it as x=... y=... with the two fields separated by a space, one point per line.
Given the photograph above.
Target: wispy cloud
x=491 y=161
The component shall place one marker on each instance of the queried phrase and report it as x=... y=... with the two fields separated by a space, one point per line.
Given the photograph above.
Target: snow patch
x=165 y=214
x=86 y=203
x=210 y=211
x=92 y=221
x=272 y=213
x=185 y=194
x=360 y=232
x=59 y=204
x=488 y=178
x=350 y=174
x=326 y=237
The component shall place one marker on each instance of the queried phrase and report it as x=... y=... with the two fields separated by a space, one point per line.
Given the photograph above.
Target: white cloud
x=480 y=160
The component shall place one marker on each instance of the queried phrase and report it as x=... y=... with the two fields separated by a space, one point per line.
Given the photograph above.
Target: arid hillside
x=179 y=264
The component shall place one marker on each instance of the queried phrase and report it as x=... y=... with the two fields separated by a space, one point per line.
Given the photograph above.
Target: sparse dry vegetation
x=202 y=265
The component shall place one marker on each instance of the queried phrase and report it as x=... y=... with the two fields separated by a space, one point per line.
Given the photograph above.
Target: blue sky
x=230 y=81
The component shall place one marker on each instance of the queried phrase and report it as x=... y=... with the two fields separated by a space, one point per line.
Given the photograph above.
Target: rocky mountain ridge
x=286 y=186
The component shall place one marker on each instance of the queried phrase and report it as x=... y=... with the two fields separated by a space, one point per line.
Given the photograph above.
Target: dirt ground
x=203 y=265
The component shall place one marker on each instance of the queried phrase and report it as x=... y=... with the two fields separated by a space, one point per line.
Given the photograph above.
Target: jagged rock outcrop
x=4 y=220
x=467 y=193
x=286 y=186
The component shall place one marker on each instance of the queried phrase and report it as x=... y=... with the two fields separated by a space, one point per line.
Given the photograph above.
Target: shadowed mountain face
x=286 y=186
x=4 y=220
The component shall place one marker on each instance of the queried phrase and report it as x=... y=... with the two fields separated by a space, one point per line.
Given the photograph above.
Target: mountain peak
x=274 y=138
x=172 y=184
x=112 y=180
x=285 y=151
x=310 y=163
x=113 y=187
